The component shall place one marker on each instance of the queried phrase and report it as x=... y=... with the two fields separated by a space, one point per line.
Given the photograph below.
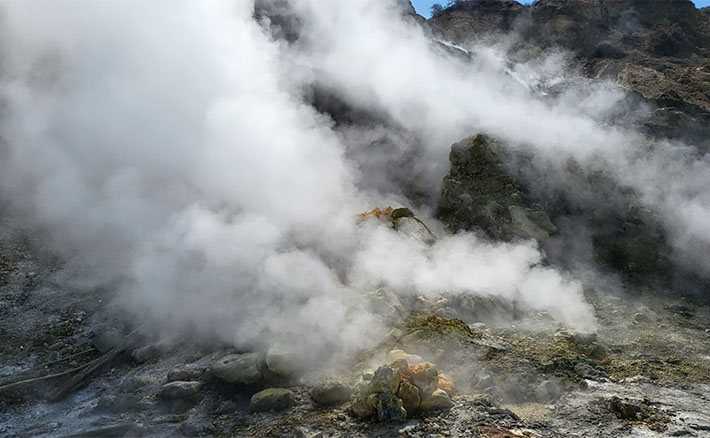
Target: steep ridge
x=659 y=48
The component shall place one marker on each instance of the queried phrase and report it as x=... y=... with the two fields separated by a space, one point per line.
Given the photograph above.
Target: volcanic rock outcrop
x=658 y=48
x=478 y=193
x=482 y=193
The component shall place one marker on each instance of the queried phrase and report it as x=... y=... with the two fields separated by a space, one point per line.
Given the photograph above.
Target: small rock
x=682 y=310
x=360 y=406
x=282 y=361
x=588 y=372
x=330 y=393
x=576 y=337
x=272 y=399
x=386 y=379
x=478 y=326
x=226 y=407
x=105 y=339
x=409 y=428
x=409 y=394
x=133 y=383
x=438 y=400
x=241 y=369
x=446 y=383
x=636 y=379
x=387 y=406
x=425 y=376
x=396 y=355
x=180 y=390
x=598 y=352
x=185 y=374
x=56 y=346
x=148 y=352
x=625 y=409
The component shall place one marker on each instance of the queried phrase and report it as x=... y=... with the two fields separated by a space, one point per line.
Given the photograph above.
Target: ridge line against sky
x=423 y=7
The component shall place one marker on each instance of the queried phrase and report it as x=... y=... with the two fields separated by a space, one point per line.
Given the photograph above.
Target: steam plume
x=171 y=147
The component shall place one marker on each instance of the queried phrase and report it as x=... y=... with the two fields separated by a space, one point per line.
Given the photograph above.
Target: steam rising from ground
x=167 y=145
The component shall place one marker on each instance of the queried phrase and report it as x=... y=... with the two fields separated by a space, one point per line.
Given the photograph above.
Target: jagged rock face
x=676 y=119
x=461 y=20
x=591 y=28
x=479 y=194
x=659 y=47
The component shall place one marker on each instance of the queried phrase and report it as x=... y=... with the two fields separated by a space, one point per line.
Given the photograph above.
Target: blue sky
x=423 y=6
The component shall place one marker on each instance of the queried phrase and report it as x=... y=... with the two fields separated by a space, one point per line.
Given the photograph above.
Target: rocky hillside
x=659 y=48
x=659 y=51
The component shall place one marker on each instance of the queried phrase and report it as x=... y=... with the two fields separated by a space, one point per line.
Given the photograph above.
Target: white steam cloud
x=168 y=145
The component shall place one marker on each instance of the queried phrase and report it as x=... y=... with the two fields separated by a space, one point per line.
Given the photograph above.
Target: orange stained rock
x=425 y=376
x=382 y=214
x=446 y=383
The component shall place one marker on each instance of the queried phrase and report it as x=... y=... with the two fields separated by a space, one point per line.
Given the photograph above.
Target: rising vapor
x=172 y=149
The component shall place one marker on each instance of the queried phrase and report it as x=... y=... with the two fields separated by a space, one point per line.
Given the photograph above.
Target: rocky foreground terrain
x=500 y=371
x=450 y=365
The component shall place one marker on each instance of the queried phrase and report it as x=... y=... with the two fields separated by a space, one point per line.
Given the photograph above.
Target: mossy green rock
x=272 y=399
x=388 y=407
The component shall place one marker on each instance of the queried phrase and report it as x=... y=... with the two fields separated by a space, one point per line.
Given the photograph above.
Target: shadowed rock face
x=482 y=193
x=672 y=28
x=659 y=49
x=479 y=194
x=656 y=47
